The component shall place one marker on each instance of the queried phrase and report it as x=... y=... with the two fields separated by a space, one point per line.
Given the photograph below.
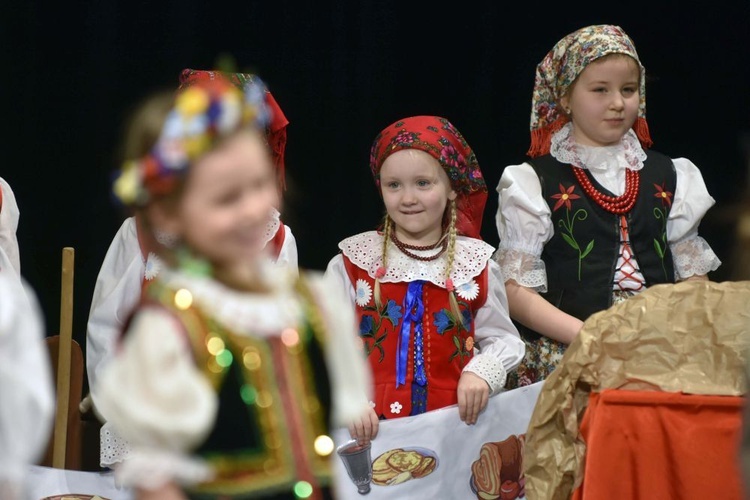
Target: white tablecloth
x=455 y=445
x=45 y=481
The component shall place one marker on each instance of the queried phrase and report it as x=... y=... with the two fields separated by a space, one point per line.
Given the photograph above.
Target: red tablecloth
x=661 y=445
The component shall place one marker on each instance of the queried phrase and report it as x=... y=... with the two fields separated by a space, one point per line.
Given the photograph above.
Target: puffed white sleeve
x=691 y=254
x=155 y=397
x=336 y=270
x=288 y=254
x=349 y=371
x=9 y=255
x=27 y=397
x=524 y=225
x=500 y=348
x=116 y=292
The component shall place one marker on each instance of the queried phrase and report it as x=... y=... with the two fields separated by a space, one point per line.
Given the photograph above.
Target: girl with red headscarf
x=132 y=258
x=230 y=370
x=430 y=301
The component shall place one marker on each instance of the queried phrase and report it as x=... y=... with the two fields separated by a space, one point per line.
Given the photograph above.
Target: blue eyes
x=396 y=185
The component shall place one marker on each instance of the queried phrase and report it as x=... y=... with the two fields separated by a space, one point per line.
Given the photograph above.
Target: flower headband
x=560 y=68
x=439 y=138
x=202 y=114
x=276 y=129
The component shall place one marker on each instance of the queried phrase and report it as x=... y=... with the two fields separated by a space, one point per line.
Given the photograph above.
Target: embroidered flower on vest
x=363 y=293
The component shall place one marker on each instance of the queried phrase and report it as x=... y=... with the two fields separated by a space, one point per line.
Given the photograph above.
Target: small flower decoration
x=396 y=407
x=469 y=343
x=372 y=404
x=442 y=321
x=468 y=291
x=363 y=293
x=366 y=325
x=153 y=266
x=666 y=196
x=392 y=312
x=564 y=197
x=380 y=272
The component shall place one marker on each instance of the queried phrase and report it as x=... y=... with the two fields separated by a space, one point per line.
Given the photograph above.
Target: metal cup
x=358 y=464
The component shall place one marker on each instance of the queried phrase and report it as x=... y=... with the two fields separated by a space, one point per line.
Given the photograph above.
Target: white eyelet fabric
x=364 y=250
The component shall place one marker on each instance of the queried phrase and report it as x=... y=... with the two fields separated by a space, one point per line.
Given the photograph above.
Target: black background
x=341 y=70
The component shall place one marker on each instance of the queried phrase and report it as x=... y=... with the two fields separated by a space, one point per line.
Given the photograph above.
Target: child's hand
x=365 y=428
x=473 y=394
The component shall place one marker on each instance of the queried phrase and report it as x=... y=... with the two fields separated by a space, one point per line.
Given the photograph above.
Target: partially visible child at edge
x=425 y=283
x=593 y=216
x=27 y=393
x=132 y=259
x=231 y=369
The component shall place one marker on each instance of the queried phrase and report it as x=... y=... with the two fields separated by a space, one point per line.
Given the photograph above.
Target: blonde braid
x=386 y=238
x=451 y=256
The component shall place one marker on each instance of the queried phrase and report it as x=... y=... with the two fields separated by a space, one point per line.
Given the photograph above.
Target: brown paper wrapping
x=689 y=337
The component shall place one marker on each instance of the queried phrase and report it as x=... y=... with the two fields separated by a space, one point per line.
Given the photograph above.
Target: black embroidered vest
x=581 y=257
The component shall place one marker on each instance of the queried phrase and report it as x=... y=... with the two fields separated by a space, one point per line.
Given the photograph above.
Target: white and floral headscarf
x=559 y=69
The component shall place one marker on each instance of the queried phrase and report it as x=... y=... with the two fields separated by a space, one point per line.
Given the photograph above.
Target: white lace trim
x=365 y=252
x=151 y=469
x=490 y=369
x=244 y=313
x=526 y=269
x=112 y=448
x=273 y=225
x=693 y=257
x=628 y=153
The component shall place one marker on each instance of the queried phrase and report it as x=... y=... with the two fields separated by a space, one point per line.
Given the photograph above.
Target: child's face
x=415 y=191
x=227 y=201
x=604 y=101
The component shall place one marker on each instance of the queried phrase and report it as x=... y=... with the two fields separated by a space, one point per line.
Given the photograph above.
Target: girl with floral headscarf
x=593 y=216
x=430 y=302
x=207 y=377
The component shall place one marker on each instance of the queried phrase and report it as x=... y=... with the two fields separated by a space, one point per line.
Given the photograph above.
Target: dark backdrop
x=341 y=71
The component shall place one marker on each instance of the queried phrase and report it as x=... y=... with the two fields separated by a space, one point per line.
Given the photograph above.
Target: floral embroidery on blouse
x=396 y=407
x=566 y=224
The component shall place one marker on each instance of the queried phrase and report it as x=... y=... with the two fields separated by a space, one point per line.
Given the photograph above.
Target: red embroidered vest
x=446 y=348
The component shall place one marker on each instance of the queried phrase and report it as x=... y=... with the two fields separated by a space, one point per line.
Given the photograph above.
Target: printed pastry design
x=498 y=472
x=402 y=464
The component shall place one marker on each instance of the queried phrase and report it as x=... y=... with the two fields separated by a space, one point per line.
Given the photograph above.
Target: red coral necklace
x=614 y=204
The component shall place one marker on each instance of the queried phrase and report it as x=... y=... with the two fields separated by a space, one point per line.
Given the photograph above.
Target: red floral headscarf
x=439 y=138
x=276 y=130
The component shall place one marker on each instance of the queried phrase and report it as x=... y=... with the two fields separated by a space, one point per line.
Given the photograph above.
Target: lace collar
x=364 y=250
x=628 y=153
x=244 y=313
